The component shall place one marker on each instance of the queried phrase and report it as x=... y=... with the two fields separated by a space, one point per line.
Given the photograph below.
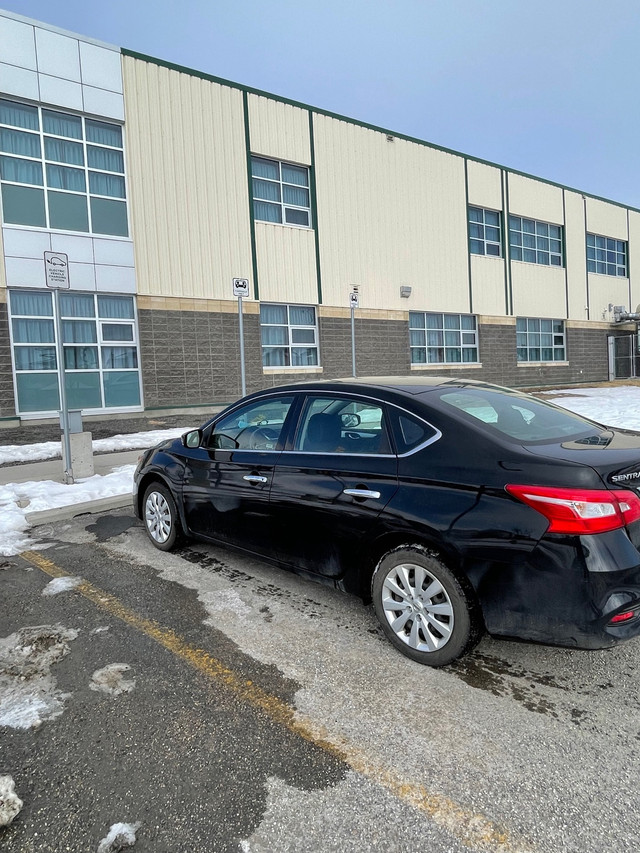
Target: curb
x=59 y=513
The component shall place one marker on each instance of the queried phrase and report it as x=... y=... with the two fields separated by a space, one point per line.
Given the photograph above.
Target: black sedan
x=458 y=507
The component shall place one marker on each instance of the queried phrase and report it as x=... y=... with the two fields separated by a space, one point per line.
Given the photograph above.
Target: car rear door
x=330 y=484
x=228 y=479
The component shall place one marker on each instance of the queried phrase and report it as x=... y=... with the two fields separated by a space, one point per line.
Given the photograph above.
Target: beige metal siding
x=487 y=276
x=286 y=263
x=538 y=291
x=279 y=130
x=484 y=185
x=634 y=257
x=605 y=290
x=576 y=255
x=535 y=199
x=390 y=213
x=188 y=189
x=606 y=219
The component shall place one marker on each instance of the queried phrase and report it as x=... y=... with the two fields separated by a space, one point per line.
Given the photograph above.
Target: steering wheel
x=263 y=439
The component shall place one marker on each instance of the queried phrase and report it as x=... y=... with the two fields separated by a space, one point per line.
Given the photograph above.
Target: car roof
x=410 y=385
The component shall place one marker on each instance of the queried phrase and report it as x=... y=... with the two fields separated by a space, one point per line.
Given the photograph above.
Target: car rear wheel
x=161 y=519
x=423 y=608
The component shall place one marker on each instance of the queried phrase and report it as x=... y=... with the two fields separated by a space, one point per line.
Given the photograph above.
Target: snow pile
x=61 y=585
x=618 y=406
x=13 y=524
x=28 y=693
x=119 y=837
x=110 y=679
x=10 y=802
x=16 y=499
x=10 y=454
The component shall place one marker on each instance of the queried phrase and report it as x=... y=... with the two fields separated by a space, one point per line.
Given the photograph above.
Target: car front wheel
x=423 y=608
x=161 y=519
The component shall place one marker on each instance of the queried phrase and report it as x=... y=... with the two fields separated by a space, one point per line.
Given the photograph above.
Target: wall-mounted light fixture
x=405 y=291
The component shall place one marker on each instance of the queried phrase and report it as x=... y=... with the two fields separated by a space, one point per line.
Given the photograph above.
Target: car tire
x=435 y=621
x=160 y=517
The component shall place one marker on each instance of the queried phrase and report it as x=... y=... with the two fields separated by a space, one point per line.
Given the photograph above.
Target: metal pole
x=353 y=341
x=64 y=411
x=241 y=331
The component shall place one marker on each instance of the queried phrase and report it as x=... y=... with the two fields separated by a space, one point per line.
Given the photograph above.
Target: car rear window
x=518 y=416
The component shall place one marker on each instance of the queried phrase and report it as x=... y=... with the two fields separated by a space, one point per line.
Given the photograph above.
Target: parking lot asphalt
x=194 y=745
x=269 y=714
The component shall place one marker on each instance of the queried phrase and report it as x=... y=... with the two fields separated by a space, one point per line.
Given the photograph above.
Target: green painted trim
x=631 y=306
x=564 y=255
x=466 y=207
x=252 y=220
x=506 y=251
x=250 y=90
x=314 y=206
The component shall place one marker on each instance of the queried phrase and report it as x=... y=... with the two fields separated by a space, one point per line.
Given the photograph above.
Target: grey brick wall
x=189 y=358
x=192 y=357
x=382 y=347
x=7 y=400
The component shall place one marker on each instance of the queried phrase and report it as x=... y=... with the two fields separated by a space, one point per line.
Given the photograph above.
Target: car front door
x=331 y=482
x=228 y=478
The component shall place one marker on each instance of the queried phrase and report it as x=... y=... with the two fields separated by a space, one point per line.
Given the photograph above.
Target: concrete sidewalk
x=51 y=469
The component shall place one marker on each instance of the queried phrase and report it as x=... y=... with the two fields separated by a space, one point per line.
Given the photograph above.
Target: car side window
x=342 y=425
x=410 y=432
x=256 y=426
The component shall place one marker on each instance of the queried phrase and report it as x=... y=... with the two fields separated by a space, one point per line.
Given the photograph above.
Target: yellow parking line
x=472 y=828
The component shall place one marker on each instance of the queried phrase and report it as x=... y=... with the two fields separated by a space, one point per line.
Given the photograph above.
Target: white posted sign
x=241 y=287
x=56 y=270
x=353 y=299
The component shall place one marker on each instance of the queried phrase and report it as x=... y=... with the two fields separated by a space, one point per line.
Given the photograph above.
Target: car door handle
x=254 y=478
x=361 y=493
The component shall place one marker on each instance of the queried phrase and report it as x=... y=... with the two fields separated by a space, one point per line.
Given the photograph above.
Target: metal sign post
x=353 y=304
x=241 y=290
x=56 y=271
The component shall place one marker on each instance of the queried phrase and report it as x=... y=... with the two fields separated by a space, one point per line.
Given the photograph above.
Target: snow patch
x=47 y=494
x=28 y=693
x=61 y=585
x=10 y=802
x=110 y=679
x=120 y=836
x=13 y=453
x=100 y=630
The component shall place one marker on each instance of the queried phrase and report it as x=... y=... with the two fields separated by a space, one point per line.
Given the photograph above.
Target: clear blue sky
x=549 y=88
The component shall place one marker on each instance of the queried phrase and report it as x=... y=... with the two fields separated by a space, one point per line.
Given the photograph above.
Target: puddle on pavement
x=109 y=526
x=500 y=678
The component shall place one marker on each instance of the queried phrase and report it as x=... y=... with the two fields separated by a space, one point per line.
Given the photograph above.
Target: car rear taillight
x=579 y=511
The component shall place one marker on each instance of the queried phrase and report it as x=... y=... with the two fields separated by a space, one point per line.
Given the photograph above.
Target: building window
x=61 y=171
x=289 y=335
x=535 y=242
x=99 y=340
x=280 y=192
x=540 y=340
x=443 y=338
x=485 y=237
x=606 y=256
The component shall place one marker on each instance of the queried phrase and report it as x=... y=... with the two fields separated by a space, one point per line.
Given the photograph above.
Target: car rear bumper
x=566 y=592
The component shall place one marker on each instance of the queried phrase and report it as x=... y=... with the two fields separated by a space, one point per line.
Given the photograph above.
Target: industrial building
x=161 y=184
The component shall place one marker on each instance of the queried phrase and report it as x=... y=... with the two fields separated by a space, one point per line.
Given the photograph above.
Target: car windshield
x=518 y=417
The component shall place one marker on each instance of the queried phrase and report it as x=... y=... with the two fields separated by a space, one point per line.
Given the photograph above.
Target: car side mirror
x=192 y=438
x=350 y=420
